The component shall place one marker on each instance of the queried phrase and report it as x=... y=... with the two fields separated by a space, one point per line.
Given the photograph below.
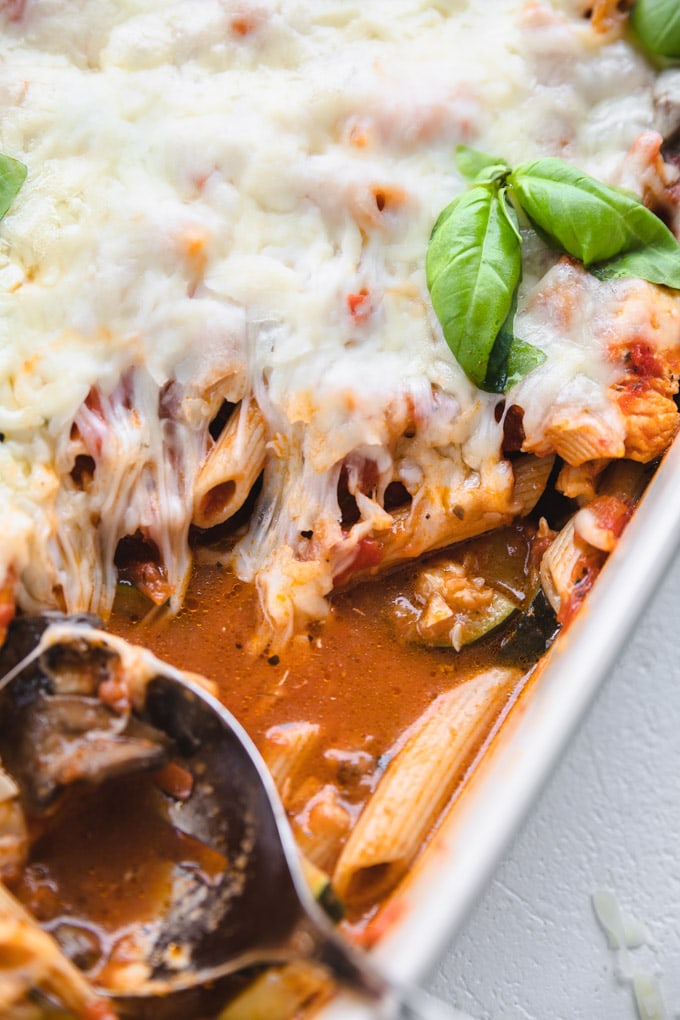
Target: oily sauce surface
x=350 y=674
x=106 y=865
x=102 y=870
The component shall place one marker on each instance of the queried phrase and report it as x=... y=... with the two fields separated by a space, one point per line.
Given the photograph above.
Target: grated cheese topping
x=233 y=200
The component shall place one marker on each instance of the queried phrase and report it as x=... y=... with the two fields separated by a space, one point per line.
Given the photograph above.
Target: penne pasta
x=279 y=994
x=418 y=782
x=581 y=436
x=255 y=272
x=531 y=478
x=286 y=748
x=231 y=468
x=430 y=525
x=580 y=482
x=321 y=827
x=570 y=565
x=559 y=565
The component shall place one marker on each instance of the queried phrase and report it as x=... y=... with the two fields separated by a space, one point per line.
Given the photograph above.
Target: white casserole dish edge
x=433 y=903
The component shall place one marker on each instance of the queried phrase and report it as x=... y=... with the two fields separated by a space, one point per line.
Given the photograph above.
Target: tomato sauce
x=355 y=676
x=101 y=870
x=350 y=674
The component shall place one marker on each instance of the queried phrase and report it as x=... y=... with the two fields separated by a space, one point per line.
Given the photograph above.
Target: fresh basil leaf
x=596 y=223
x=657 y=264
x=507 y=209
x=12 y=176
x=495 y=174
x=511 y=358
x=523 y=358
x=656 y=23
x=473 y=267
x=473 y=164
x=497 y=368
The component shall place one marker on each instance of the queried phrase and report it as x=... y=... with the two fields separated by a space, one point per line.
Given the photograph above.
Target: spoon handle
x=415 y=1004
x=392 y=999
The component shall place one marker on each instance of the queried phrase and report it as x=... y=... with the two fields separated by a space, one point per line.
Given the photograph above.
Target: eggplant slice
x=69 y=719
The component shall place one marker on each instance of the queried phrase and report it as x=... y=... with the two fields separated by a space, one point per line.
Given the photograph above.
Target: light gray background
x=609 y=818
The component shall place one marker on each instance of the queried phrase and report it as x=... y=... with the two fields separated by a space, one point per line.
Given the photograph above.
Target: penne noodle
x=231 y=468
x=573 y=561
x=285 y=750
x=581 y=436
x=577 y=554
x=14 y=837
x=559 y=565
x=323 y=826
x=418 y=782
x=280 y=993
x=531 y=478
x=580 y=482
x=651 y=422
x=428 y=525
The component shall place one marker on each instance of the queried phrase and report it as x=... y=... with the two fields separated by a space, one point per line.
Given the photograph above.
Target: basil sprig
x=12 y=176
x=475 y=243
x=596 y=223
x=479 y=166
x=656 y=23
x=474 y=265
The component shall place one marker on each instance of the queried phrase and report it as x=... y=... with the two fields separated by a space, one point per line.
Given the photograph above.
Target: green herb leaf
x=473 y=267
x=508 y=210
x=657 y=25
x=474 y=258
x=12 y=176
x=511 y=358
x=473 y=163
x=496 y=377
x=657 y=264
x=523 y=358
x=596 y=223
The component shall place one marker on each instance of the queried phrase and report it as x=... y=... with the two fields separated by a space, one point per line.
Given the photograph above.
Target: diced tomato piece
x=368 y=553
x=359 y=305
x=612 y=513
x=646 y=361
x=7 y=604
x=13 y=9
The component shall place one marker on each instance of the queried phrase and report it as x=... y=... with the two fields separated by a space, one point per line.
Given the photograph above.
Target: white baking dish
x=432 y=904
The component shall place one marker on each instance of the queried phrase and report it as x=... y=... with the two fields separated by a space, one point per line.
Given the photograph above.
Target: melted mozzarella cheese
x=208 y=185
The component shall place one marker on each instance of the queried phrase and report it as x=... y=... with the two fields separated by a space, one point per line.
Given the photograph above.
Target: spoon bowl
x=255 y=910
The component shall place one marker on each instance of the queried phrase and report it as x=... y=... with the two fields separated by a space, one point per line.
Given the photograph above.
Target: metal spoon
x=259 y=911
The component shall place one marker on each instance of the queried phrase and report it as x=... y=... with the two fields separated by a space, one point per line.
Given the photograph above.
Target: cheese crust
x=228 y=205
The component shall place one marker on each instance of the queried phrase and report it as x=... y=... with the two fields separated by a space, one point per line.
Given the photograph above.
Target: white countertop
x=609 y=818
